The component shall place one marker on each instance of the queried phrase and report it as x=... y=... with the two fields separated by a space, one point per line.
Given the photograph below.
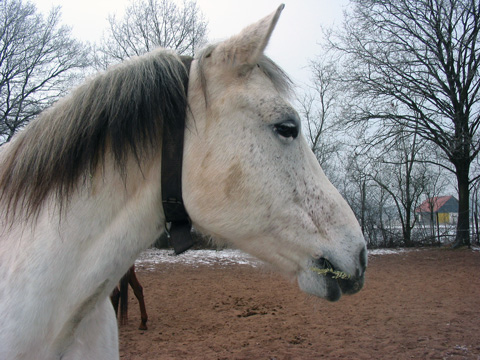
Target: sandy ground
x=422 y=304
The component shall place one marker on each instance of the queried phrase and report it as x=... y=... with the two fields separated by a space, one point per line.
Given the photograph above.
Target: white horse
x=81 y=198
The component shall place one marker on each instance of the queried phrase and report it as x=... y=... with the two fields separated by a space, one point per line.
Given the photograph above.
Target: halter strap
x=172 y=200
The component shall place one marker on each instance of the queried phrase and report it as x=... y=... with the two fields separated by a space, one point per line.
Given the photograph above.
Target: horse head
x=249 y=176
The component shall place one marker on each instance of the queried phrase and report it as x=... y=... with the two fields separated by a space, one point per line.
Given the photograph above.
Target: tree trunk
x=407 y=229
x=407 y=236
x=463 y=225
x=363 y=207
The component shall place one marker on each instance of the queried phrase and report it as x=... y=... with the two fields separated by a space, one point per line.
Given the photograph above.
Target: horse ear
x=246 y=48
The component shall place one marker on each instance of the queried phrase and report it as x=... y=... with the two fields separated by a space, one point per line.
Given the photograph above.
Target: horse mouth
x=337 y=282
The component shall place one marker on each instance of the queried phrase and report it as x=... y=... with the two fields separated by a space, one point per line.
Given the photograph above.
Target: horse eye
x=287 y=129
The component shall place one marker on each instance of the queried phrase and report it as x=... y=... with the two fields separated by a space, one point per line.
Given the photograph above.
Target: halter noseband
x=172 y=200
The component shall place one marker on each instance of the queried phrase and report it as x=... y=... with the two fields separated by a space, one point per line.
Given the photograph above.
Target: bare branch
x=38 y=63
x=148 y=24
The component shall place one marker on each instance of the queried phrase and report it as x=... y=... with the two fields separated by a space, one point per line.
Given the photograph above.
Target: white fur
x=241 y=182
x=58 y=272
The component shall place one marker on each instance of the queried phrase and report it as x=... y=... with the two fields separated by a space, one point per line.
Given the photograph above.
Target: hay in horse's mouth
x=326 y=268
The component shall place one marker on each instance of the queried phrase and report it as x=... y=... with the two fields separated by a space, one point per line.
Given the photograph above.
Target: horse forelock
x=121 y=111
x=275 y=73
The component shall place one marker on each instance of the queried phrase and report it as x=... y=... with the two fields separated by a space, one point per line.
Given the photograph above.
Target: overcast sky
x=294 y=42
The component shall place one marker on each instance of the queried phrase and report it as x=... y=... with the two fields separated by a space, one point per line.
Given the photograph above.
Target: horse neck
x=104 y=226
x=125 y=207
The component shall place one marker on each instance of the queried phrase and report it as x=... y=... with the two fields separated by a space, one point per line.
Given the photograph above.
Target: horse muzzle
x=323 y=279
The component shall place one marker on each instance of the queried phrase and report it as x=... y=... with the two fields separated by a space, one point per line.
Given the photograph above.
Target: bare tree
x=403 y=177
x=423 y=57
x=148 y=24
x=367 y=200
x=358 y=181
x=319 y=107
x=386 y=183
x=438 y=182
x=38 y=62
x=475 y=211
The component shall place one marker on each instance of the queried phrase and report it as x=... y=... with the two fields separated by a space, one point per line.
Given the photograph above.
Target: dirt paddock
x=422 y=304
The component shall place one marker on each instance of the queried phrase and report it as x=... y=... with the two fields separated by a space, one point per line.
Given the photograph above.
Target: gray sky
x=293 y=44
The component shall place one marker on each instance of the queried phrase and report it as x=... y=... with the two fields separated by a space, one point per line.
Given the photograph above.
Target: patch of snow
x=151 y=257
x=374 y=252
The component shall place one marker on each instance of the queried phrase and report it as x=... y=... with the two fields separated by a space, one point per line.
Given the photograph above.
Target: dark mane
x=122 y=110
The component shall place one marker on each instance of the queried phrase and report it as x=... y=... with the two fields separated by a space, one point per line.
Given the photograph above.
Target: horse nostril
x=363 y=260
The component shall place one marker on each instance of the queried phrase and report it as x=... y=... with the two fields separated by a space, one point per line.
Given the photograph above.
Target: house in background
x=439 y=210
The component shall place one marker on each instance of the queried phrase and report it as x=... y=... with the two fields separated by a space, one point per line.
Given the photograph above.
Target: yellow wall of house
x=443 y=218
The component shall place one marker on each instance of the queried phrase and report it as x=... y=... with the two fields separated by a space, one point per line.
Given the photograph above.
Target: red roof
x=437 y=203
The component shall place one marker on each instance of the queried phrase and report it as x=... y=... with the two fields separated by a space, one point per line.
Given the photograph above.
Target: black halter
x=172 y=157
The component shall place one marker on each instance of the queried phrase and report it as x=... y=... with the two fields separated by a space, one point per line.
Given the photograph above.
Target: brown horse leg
x=115 y=298
x=138 y=291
